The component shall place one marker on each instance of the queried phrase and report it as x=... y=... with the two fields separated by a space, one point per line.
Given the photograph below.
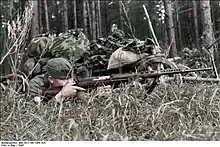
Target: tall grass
x=171 y=112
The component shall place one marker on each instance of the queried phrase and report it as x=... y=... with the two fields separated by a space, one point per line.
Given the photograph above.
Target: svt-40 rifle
x=116 y=79
x=92 y=82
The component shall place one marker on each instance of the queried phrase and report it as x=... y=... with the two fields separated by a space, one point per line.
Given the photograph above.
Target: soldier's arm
x=35 y=89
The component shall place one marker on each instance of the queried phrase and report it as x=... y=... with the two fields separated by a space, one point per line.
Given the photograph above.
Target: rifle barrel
x=153 y=74
x=176 y=71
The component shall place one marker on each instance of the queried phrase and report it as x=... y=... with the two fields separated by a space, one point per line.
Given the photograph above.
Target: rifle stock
x=51 y=92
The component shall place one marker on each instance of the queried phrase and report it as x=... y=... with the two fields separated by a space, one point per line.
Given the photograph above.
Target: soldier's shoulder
x=38 y=77
x=38 y=80
x=37 y=85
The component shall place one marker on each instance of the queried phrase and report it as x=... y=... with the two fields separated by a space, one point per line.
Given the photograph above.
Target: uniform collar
x=46 y=81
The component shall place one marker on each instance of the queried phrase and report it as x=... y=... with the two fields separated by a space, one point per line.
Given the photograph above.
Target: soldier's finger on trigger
x=79 y=88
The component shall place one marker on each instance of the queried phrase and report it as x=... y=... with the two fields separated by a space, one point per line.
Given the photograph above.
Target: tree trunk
x=11 y=5
x=106 y=18
x=195 y=20
x=40 y=17
x=170 y=27
x=34 y=23
x=121 y=15
x=216 y=26
x=65 y=16
x=93 y=21
x=79 y=12
x=85 y=17
x=1 y=34
x=208 y=36
x=189 y=29
x=166 y=39
x=74 y=14
x=46 y=16
x=99 y=26
x=178 y=30
x=89 y=20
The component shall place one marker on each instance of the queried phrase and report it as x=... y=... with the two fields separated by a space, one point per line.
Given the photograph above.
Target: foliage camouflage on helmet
x=37 y=50
x=34 y=66
x=38 y=45
x=29 y=65
x=96 y=58
x=70 y=45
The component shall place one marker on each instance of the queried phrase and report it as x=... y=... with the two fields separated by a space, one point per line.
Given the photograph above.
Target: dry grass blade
x=18 y=31
x=214 y=94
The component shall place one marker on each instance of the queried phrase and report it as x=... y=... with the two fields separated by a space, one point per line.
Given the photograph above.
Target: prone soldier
x=58 y=75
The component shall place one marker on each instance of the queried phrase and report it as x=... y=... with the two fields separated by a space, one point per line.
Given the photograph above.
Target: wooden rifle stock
x=51 y=92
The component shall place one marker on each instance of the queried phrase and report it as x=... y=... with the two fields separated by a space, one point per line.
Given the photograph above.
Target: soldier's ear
x=50 y=79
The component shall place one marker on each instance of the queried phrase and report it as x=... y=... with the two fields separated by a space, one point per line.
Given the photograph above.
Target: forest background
x=190 y=27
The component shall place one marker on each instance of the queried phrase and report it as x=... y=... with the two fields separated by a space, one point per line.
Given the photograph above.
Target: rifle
x=116 y=79
x=92 y=82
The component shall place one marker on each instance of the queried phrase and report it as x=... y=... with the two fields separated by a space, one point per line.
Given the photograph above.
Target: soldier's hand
x=70 y=89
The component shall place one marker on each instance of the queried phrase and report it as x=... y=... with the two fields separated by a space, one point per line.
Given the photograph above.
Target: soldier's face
x=56 y=82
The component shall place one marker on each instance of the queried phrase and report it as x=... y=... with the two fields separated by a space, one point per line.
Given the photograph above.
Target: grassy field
x=171 y=112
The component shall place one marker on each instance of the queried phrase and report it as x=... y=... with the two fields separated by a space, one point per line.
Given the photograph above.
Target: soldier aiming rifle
x=58 y=77
x=58 y=83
